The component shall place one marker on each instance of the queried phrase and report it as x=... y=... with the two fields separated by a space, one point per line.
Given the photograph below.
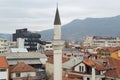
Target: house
x=22 y=71
x=4 y=68
x=89 y=69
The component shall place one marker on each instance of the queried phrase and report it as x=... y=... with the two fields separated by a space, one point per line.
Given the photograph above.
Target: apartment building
x=4 y=45
x=97 y=41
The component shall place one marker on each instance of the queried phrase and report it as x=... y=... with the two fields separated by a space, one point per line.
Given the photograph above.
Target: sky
x=38 y=15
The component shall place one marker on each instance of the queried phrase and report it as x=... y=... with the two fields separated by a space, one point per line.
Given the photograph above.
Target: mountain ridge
x=77 y=29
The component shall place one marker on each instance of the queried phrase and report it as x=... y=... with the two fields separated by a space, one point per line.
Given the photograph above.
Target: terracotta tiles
x=50 y=60
x=92 y=63
x=113 y=67
x=22 y=67
x=3 y=62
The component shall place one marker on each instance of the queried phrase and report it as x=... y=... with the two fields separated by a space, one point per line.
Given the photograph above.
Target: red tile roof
x=22 y=67
x=48 y=53
x=113 y=67
x=3 y=62
x=110 y=49
x=92 y=63
x=50 y=60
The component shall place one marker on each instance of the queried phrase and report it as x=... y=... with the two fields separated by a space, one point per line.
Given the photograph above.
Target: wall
x=4 y=74
x=77 y=67
x=24 y=74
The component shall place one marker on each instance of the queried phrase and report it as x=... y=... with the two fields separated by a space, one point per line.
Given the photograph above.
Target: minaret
x=57 y=46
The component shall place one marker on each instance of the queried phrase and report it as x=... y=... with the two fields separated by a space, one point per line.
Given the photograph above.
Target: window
x=47 y=46
x=80 y=68
x=88 y=78
x=2 y=69
x=17 y=74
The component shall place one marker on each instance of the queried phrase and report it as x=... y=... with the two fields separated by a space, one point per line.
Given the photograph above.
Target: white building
x=4 y=45
x=22 y=71
x=48 y=46
x=96 y=41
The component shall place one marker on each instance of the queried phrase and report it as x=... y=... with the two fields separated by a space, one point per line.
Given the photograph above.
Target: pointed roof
x=22 y=67
x=57 y=18
x=3 y=62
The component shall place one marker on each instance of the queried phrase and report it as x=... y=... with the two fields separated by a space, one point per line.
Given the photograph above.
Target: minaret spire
x=57 y=47
x=57 y=17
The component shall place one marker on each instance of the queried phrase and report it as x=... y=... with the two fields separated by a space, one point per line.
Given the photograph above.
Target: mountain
x=6 y=36
x=77 y=29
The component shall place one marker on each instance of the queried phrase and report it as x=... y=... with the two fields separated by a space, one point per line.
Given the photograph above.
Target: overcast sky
x=37 y=15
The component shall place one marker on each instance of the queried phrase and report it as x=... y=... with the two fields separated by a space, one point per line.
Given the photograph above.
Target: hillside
x=77 y=29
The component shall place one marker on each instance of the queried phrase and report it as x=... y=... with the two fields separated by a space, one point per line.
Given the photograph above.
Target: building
x=4 y=68
x=22 y=71
x=32 y=58
x=90 y=70
x=29 y=39
x=46 y=46
x=4 y=45
x=57 y=47
x=96 y=41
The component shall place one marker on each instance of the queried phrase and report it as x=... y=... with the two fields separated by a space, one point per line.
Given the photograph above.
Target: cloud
x=39 y=14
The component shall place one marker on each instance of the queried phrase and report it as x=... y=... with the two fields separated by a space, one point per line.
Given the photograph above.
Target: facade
x=96 y=41
x=4 y=45
x=30 y=39
x=4 y=68
x=47 y=46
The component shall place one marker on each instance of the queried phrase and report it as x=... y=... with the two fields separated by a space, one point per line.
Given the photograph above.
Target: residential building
x=4 y=45
x=96 y=41
x=29 y=39
x=4 y=68
x=46 y=46
x=90 y=70
x=22 y=71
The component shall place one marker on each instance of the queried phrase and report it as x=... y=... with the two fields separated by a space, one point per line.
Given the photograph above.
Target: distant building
x=96 y=41
x=46 y=46
x=4 y=68
x=4 y=45
x=30 y=39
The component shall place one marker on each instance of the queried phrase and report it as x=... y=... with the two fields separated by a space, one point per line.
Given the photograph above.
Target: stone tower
x=57 y=46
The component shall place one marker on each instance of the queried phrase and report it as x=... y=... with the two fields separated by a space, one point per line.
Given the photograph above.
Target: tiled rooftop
x=22 y=67
x=3 y=62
